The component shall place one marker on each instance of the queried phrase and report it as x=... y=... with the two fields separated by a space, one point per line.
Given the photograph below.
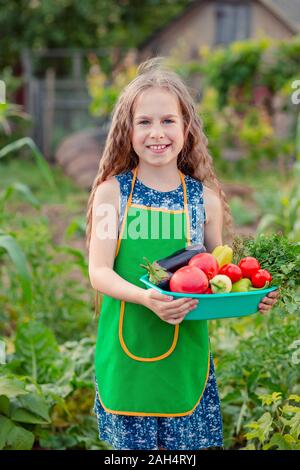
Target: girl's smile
x=158 y=148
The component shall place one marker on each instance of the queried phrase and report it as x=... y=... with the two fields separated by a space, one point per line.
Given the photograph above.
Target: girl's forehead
x=153 y=99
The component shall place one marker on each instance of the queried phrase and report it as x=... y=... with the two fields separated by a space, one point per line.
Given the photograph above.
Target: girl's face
x=157 y=120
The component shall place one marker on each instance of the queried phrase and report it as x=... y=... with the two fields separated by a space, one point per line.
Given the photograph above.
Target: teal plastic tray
x=214 y=306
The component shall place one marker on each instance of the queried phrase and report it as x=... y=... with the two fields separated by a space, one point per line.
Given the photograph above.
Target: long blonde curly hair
x=119 y=156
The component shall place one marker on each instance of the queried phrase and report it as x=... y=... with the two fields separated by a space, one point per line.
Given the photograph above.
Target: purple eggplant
x=180 y=258
x=161 y=271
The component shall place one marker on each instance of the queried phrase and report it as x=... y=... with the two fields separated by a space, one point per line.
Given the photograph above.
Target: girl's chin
x=158 y=161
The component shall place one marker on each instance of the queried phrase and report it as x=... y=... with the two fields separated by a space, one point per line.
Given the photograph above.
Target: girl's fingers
x=159 y=296
x=175 y=320
x=264 y=307
x=181 y=307
x=268 y=301
x=274 y=294
x=177 y=317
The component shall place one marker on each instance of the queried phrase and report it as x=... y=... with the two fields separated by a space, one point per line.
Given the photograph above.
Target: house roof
x=287 y=11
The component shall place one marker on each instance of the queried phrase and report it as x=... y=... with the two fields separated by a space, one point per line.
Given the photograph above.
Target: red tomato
x=260 y=278
x=232 y=271
x=249 y=266
x=190 y=280
x=208 y=291
x=206 y=262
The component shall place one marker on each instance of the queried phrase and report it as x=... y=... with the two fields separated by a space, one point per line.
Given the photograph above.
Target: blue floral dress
x=203 y=427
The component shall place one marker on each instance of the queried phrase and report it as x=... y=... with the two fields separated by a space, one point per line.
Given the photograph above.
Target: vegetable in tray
x=249 y=265
x=193 y=271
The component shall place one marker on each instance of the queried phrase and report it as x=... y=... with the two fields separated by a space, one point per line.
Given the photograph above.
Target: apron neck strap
x=182 y=182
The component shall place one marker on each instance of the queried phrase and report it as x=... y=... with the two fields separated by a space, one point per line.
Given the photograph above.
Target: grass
x=26 y=171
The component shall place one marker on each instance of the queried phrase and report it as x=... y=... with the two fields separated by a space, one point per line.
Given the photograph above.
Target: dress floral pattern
x=203 y=427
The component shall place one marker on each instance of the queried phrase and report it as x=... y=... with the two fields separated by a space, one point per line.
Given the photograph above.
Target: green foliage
x=21 y=190
x=285 y=215
x=39 y=158
x=236 y=66
x=253 y=357
x=39 y=388
x=241 y=214
x=249 y=68
x=8 y=244
x=21 y=406
x=246 y=79
x=91 y=24
x=103 y=96
x=278 y=428
x=298 y=138
x=7 y=112
x=59 y=299
x=14 y=122
x=79 y=436
x=279 y=256
x=273 y=75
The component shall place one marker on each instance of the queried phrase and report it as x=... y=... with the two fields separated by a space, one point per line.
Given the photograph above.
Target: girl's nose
x=156 y=131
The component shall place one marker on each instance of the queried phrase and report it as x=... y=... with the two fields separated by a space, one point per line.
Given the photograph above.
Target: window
x=232 y=21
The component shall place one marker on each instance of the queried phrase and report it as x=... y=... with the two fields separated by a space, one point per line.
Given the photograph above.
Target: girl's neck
x=160 y=178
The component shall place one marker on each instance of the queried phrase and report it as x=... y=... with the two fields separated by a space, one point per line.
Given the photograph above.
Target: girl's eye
x=142 y=122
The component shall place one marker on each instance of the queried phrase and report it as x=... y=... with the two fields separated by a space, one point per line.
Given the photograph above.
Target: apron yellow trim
x=163 y=415
x=158 y=209
x=126 y=211
x=144 y=359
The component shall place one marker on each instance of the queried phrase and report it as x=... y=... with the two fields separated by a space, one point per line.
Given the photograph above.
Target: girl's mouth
x=158 y=148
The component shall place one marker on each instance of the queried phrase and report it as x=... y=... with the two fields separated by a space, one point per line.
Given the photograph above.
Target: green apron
x=143 y=365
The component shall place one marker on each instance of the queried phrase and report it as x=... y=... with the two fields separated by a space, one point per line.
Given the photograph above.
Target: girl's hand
x=268 y=301
x=170 y=311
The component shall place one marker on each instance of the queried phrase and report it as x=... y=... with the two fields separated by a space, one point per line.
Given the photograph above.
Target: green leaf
x=261 y=428
x=12 y=387
x=290 y=409
x=6 y=425
x=37 y=348
x=14 y=437
x=30 y=409
x=24 y=416
x=19 y=259
x=24 y=190
x=40 y=160
x=279 y=441
x=270 y=399
x=295 y=426
x=294 y=398
x=4 y=405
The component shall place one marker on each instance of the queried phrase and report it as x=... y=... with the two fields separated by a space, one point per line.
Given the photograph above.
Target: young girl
x=155 y=380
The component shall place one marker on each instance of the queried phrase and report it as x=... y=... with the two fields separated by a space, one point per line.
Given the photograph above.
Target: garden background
x=246 y=94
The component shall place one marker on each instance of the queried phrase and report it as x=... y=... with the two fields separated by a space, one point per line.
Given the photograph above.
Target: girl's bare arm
x=214 y=219
x=102 y=251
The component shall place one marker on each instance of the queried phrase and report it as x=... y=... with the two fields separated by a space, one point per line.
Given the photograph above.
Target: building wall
x=187 y=34
x=264 y=23
x=197 y=29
